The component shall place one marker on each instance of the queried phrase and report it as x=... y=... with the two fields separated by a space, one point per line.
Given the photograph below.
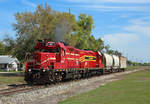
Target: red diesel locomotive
x=55 y=61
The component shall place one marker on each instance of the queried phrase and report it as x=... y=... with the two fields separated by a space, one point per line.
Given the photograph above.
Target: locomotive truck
x=53 y=62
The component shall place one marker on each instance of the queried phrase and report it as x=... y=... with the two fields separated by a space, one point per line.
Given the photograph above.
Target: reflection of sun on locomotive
x=54 y=61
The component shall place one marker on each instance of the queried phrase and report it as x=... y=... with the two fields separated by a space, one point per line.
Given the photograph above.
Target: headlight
x=44 y=70
x=29 y=70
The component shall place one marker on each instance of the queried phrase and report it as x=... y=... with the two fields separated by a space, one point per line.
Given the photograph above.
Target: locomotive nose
x=37 y=57
x=43 y=60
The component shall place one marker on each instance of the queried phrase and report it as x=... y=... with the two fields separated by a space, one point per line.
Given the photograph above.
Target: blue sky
x=123 y=24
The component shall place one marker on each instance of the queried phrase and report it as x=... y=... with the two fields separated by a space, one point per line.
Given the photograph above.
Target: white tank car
x=116 y=62
x=123 y=62
x=108 y=61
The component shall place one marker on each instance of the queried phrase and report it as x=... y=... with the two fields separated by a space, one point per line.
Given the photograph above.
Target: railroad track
x=25 y=88
x=18 y=89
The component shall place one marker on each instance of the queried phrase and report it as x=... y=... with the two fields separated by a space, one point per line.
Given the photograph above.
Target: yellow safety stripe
x=48 y=59
x=72 y=54
x=91 y=58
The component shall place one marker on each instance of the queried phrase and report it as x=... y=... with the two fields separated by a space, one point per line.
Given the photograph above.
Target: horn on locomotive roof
x=40 y=40
x=66 y=44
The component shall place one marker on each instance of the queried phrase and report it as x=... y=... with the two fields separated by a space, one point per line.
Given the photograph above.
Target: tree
x=44 y=23
x=110 y=51
x=64 y=26
x=82 y=38
x=2 y=48
x=32 y=26
x=82 y=32
x=10 y=45
x=85 y=24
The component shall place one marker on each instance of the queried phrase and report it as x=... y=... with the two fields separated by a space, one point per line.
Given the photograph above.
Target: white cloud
x=112 y=5
x=138 y=29
x=27 y=2
x=139 y=26
x=8 y=32
x=131 y=45
x=3 y=1
x=116 y=8
x=109 y=1
x=2 y=35
x=134 y=41
x=125 y=15
x=138 y=22
x=120 y=39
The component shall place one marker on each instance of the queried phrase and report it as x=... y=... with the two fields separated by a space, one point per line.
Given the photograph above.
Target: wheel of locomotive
x=101 y=71
x=83 y=74
x=88 y=74
x=63 y=76
x=51 y=77
x=28 y=78
x=58 y=77
x=79 y=74
x=75 y=75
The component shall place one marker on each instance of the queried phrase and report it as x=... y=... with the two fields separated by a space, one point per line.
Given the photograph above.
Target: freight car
x=55 y=61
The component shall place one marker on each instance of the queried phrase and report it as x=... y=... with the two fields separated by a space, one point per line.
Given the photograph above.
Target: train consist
x=55 y=61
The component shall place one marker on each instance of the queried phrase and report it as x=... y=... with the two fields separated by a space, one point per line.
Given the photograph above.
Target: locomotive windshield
x=50 y=50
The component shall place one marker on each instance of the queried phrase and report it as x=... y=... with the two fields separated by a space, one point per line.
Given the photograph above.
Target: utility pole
x=69 y=11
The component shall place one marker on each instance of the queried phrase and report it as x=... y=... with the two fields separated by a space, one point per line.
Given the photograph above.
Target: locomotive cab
x=47 y=54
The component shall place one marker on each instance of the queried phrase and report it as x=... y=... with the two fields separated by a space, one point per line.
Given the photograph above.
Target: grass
x=11 y=71
x=133 y=67
x=11 y=79
x=132 y=89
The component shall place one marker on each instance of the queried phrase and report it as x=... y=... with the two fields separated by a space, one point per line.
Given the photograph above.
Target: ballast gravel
x=55 y=93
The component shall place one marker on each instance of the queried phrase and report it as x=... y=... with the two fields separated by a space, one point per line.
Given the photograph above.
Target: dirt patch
x=3 y=86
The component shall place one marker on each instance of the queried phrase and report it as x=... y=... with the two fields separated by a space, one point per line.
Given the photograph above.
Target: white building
x=8 y=63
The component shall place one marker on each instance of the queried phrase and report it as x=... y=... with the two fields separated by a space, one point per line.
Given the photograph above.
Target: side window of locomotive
x=42 y=44
x=51 y=44
x=58 y=50
x=102 y=59
x=63 y=53
x=36 y=49
x=44 y=50
x=52 y=50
